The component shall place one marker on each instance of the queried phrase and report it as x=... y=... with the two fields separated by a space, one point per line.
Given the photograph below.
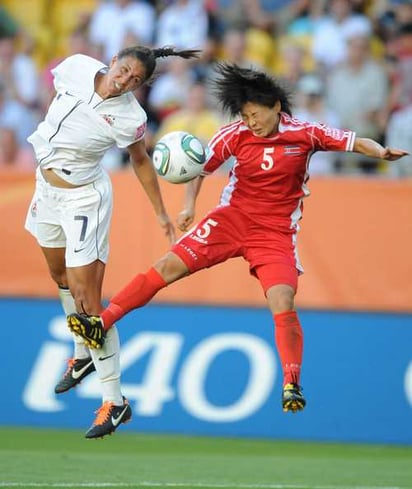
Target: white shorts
x=77 y=219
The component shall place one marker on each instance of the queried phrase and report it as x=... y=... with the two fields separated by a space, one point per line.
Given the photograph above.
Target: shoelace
x=103 y=413
x=70 y=365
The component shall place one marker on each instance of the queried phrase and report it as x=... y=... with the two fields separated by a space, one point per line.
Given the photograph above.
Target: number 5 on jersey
x=268 y=162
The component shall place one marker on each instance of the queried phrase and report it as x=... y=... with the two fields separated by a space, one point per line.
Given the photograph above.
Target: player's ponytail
x=148 y=56
x=171 y=51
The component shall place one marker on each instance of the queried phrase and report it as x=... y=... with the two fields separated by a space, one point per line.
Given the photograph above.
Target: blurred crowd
x=346 y=63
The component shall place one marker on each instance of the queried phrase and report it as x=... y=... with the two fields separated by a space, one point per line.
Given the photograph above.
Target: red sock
x=137 y=293
x=289 y=342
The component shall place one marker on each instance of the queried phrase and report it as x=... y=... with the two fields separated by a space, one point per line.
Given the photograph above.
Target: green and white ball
x=178 y=157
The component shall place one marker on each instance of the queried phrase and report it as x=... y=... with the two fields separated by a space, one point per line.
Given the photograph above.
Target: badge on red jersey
x=292 y=150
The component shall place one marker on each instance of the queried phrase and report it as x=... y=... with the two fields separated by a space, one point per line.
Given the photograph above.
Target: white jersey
x=80 y=126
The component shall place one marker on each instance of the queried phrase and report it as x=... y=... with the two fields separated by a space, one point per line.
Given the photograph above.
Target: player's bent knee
x=171 y=267
x=86 y=302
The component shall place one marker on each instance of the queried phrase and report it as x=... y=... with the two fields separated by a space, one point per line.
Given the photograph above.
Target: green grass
x=51 y=458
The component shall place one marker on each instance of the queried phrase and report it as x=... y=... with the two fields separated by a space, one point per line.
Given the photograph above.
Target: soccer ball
x=178 y=157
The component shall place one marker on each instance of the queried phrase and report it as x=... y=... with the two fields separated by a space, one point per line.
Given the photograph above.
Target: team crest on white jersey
x=109 y=119
x=33 y=209
x=140 y=131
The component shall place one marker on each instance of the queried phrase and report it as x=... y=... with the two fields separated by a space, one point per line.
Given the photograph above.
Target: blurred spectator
x=113 y=19
x=293 y=63
x=8 y=26
x=169 y=90
x=242 y=14
x=249 y=18
x=399 y=132
x=401 y=73
x=19 y=73
x=298 y=40
x=260 y=14
x=388 y=15
x=194 y=117
x=233 y=49
x=357 y=90
x=330 y=33
x=304 y=23
x=362 y=6
x=402 y=11
x=183 y=24
x=16 y=124
x=310 y=106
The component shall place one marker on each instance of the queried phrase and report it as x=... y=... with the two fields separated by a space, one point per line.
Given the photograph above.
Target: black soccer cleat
x=108 y=419
x=90 y=328
x=292 y=398
x=77 y=370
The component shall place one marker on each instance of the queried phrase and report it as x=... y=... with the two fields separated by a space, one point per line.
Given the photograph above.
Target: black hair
x=235 y=86
x=148 y=56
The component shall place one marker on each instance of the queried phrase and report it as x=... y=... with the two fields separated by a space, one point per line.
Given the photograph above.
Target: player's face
x=125 y=75
x=261 y=120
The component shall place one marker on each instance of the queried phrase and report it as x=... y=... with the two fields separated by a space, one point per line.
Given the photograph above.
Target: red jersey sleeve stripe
x=219 y=149
x=224 y=131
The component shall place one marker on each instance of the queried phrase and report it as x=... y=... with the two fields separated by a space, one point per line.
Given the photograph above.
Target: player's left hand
x=392 y=154
x=167 y=227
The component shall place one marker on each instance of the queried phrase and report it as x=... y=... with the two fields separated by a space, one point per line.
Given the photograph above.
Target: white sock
x=80 y=349
x=107 y=363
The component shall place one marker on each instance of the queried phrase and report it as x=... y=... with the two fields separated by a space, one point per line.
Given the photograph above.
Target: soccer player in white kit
x=257 y=217
x=93 y=110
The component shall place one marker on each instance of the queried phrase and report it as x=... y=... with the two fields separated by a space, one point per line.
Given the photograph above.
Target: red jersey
x=269 y=175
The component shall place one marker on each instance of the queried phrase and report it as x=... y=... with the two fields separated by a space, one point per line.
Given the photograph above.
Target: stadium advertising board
x=214 y=371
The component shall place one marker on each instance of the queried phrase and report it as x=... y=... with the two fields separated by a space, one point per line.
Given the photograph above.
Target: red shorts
x=226 y=232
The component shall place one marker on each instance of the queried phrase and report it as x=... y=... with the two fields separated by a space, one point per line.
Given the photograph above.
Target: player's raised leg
x=138 y=292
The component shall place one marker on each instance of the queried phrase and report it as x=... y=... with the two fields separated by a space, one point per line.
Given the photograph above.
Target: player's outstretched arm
x=369 y=147
x=187 y=215
x=145 y=172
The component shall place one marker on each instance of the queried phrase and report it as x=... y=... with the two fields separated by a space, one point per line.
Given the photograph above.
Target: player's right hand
x=185 y=219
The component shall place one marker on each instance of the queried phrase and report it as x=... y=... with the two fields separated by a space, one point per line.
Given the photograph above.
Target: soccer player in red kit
x=257 y=217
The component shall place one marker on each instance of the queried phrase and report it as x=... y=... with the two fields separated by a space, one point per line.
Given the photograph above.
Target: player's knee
x=86 y=301
x=171 y=268
x=281 y=299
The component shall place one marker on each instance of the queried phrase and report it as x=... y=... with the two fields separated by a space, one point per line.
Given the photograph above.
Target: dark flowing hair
x=235 y=86
x=148 y=56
